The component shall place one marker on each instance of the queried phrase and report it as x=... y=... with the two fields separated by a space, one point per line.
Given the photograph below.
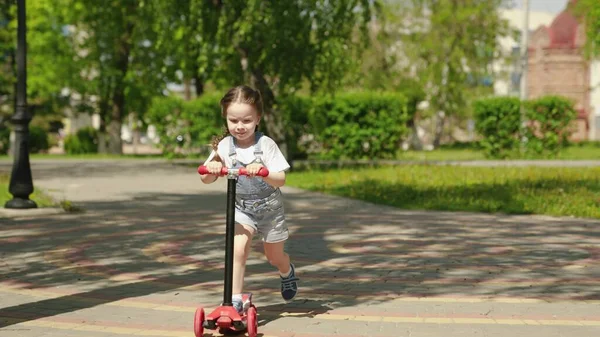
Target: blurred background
x=346 y=79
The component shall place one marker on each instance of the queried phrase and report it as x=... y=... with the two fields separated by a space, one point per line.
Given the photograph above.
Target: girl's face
x=242 y=120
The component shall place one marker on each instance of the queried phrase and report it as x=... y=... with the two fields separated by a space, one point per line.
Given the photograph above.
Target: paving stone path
x=148 y=250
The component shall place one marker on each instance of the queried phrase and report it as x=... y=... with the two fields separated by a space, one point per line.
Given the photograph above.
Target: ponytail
x=215 y=143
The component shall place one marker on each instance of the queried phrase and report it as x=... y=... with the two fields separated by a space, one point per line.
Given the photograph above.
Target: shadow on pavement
x=347 y=253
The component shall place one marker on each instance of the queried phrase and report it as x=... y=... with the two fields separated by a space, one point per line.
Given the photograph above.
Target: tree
x=449 y=46
x=120 y=67
x=187 y=34
x=589 y=10
x=8 y=40
x=48 y=58
x=283 y=45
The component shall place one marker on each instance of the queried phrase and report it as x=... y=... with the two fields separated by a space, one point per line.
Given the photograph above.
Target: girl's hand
x=214 y=167
x=253 y=169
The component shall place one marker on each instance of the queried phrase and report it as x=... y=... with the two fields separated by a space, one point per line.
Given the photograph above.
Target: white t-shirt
x=272 y=157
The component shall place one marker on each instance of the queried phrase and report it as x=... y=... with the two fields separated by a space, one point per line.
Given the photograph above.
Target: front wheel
x=252 y=322
x=199 y=322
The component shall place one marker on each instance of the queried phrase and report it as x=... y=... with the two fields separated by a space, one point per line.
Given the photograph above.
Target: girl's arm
x=275 y=179
x=213 y=166
x=208 y=178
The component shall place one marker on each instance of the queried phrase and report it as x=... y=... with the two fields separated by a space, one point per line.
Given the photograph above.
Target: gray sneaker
x=289 y=285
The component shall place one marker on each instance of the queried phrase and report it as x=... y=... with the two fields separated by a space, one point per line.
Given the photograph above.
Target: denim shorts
x=266 y=216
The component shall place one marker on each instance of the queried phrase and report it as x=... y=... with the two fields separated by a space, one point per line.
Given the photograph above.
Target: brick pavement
x=148 y=250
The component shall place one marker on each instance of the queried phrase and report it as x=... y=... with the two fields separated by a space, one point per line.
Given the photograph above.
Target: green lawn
x=84 y=156
x=586 y=151
x=524 y=190
x=41 y=199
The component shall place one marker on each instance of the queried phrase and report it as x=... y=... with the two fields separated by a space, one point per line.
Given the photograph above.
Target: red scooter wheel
x=252 y=322
x=199 y=322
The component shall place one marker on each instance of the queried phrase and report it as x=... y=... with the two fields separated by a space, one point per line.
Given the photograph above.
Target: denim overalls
x=257 y=203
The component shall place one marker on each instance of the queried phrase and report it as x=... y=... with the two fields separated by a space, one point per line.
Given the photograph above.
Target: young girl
x=259 y=205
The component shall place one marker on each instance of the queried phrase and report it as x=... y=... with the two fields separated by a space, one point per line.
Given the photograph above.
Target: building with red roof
x=557 y=65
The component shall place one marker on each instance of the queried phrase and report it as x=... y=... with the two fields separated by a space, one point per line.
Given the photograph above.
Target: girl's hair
x=240 y=94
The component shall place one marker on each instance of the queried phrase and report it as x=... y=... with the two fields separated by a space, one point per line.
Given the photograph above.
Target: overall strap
x=232 y=151
x=257 y=148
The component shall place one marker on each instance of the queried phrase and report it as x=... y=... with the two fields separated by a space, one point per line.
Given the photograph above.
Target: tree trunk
x=415 y=141
x=115 y=143
x=102 y=135
x=273 y=120
x=199 y=85
x=439 y=129
x=187 y=90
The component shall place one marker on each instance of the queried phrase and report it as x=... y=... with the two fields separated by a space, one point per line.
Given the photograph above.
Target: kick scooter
x=225 y=317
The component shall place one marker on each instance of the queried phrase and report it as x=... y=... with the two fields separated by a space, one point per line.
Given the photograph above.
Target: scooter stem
x=229 y=237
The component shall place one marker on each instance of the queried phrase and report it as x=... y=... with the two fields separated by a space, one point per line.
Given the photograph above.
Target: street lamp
x=21 y=184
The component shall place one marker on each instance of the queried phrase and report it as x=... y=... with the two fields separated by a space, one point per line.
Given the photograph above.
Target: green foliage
x=357 y=125
x=205 y=120
x=196 y=121
x=113 y=57
x=517 y=190
x=8 y=37
x=118 y=66
x=38 y=139
x=84 y=141
x=164 y=114
x=49 y=57
x=295 y=41
x=498 y=121
x=449 y=46
x=294 y=110
x=360 y=125
x=551 y=124
x=187 y=33
x=589 y=12
x=284 y=47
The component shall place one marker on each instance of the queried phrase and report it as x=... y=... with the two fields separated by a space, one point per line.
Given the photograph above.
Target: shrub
x=550 y=125
x=195 y=121
x=85 y=140
x=364 y=125
x=498 y=121
x=295 y=110
x=38 y=139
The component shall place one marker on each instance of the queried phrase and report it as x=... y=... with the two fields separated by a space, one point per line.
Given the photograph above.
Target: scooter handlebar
x=263 y=172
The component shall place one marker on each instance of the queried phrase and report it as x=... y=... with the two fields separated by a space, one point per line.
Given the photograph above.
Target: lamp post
x=21 y=184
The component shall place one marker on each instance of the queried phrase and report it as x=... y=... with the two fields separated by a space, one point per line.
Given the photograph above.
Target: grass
x=442 y=155
x=92 y=156
x=512 y=190
x=466 y=151
x=40 y=198
x=452 y=152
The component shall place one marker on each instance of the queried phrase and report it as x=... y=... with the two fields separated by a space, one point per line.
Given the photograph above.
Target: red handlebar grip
x=263 y=172
x=203 y=170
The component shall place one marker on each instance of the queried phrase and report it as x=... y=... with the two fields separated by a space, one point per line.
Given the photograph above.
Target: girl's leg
x=241 y=249
x=277 y=257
